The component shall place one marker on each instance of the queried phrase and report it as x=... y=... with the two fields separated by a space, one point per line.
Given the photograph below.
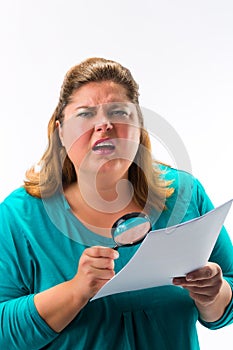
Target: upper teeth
x=104 y=143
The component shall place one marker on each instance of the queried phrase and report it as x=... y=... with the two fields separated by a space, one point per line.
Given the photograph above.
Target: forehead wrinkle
x=96 y=93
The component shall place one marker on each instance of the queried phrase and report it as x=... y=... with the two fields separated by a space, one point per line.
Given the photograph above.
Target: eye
x=118 y=113
x=85 y=114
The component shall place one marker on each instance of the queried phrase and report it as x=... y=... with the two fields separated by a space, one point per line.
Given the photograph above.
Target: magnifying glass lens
x=131 y=229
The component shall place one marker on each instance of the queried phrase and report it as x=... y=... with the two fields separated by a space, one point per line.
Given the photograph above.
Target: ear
x=58 y=125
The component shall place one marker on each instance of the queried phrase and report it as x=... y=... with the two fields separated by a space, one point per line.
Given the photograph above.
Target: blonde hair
x=56 y=169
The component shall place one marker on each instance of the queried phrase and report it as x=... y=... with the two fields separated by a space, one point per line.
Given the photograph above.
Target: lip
x=103 y=152
x=102 y=140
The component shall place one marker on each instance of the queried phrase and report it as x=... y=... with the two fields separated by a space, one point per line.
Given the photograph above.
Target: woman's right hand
x=96 y=267
x=59 y=305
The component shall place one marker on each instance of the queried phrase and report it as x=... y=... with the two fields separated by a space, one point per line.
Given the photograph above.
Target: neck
x=108 y=199
x=104 y=192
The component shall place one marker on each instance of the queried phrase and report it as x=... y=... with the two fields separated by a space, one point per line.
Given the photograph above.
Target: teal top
x=41 y=243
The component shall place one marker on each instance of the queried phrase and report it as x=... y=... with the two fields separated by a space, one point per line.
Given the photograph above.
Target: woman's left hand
x=204 y=284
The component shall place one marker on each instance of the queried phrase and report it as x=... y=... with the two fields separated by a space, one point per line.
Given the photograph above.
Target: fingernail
x=176 y=281
x=116 y=254
x=189 y=278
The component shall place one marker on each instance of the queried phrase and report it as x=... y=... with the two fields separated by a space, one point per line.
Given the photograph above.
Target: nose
x=102 y=122
x=103 y=126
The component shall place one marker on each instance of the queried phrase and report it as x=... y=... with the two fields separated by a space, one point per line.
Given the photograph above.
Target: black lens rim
x=126 y=217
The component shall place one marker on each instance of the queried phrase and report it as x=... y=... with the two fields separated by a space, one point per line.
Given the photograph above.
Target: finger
x=96 y=268
x=206 y=272
x=179 y=281
x=104 y=252
x=205 y=291
x=102 y=274
x=202 y=299
x=200 y=283
x=102 y=263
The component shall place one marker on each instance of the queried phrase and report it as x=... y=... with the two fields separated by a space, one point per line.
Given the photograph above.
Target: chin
x=114 y=166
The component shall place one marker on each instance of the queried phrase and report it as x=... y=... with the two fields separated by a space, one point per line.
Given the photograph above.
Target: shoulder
x=177 y=175
x=23 y=217
x=19 y=195
x=180 y=178
x=19 y=203
x=16 y=194
x=189 y=194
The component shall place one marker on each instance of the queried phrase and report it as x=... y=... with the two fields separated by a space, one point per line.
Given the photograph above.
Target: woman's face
x=101 y=129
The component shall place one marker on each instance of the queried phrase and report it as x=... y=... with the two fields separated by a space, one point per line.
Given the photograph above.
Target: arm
x=29 y=320
x=210 y=292
x=59 y=305
x=33 y=321
x=21 y=326
x=220 y=275
x=211 y=286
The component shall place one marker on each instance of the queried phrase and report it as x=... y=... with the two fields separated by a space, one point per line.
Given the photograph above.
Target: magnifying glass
x=130 y=229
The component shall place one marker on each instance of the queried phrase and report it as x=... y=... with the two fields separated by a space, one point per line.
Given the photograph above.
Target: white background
x=180 y=52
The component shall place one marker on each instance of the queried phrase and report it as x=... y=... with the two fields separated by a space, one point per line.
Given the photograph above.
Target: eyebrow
x=85 y=107
x=113 y=104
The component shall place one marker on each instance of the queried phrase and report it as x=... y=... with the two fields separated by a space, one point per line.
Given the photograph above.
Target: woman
x=56 y=231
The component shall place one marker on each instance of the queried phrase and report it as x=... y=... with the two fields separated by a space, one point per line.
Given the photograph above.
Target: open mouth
x=104 y=146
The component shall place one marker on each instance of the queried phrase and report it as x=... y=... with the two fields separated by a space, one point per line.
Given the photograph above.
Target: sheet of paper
x=169 y=252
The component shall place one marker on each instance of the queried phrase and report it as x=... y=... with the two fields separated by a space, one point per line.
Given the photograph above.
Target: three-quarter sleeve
x=222 y=255
x=21 y=325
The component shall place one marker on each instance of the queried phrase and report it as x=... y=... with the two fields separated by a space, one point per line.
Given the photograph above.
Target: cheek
x=129 y=139
x=73 y=133
x=77 y=149
x=128 y=132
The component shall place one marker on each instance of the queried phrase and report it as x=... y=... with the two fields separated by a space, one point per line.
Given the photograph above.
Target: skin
x=95 y=199
x=59 y=305
x=210 y=292
x=88 y=130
